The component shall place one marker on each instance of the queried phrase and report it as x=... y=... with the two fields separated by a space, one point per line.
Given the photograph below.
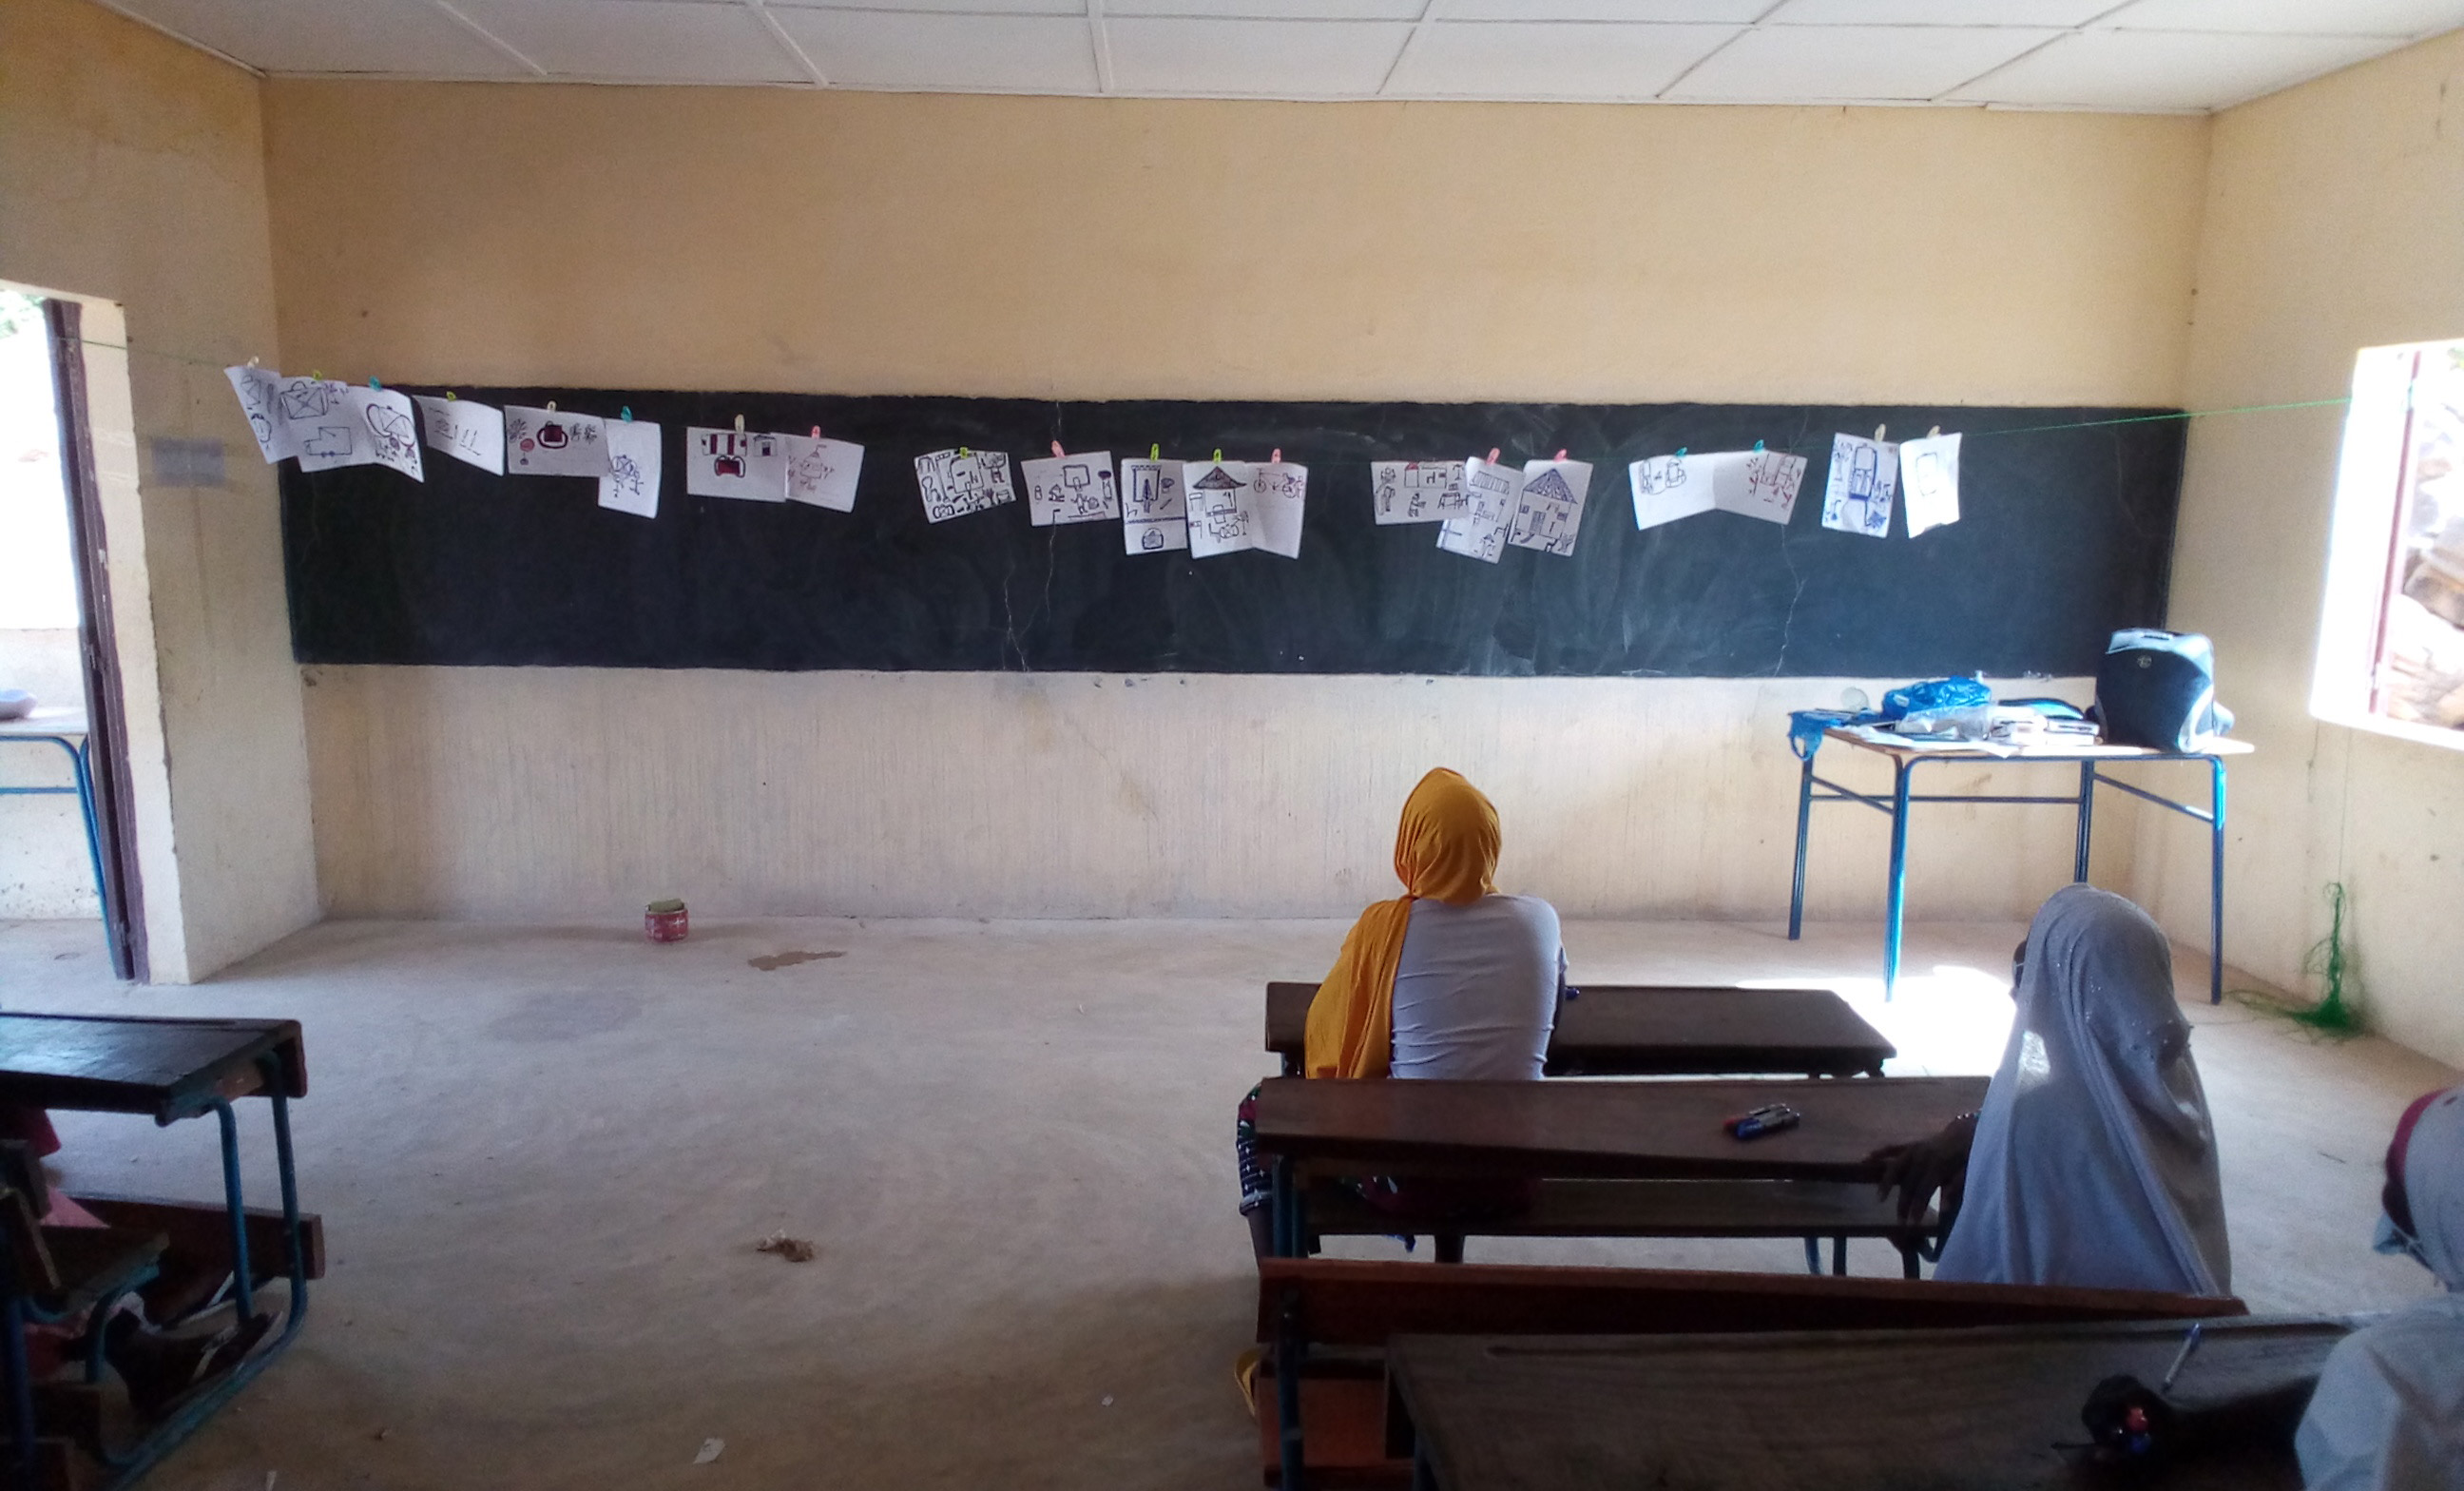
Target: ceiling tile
x=1735 y=12
x=2127 y=70
x=1540 y=61
x=1274 y=10
x=2312 y=17
x=1809 y=63
x=1282 y=60
x=1939 y=12
x=956 y=54
x=410 y=38
x=639 y=40
x=963 y=6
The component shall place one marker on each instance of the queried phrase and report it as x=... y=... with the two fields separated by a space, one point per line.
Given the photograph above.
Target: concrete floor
x=543 y=1155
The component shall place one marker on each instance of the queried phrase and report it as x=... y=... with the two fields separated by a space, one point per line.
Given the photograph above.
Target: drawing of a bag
x=552 y=436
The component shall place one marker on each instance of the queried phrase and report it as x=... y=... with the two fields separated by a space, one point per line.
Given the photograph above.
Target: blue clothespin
x=373 y=383
x=1681 y=453
x=628 y=414
x=1758 y=447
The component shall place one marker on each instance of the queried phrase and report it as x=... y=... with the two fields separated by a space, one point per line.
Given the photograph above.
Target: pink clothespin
x=1057 y=451
x=1492 y=455
x=817 y=432
x=1277 y=459
x=1561 y=454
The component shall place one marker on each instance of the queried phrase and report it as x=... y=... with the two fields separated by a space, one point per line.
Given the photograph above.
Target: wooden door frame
x=106 y=706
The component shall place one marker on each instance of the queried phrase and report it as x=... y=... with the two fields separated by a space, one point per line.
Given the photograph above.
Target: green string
x=2333 y=1014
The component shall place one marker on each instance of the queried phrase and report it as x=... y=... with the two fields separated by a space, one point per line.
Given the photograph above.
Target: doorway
x=68 y=846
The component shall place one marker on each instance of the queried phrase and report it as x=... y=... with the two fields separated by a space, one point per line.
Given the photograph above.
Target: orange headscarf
x=1447 y=849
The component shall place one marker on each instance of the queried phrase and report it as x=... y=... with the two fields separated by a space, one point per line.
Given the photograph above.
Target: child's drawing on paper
x=1492 y=490
x=1153 y=519
x=1279 y=494
x=1072 y=489
x=305 y=399
x=955 y=483
x=543 y=442
x=473 y=433
x=1549 y=511
x=1221 y=522
x=1670 y=487
x=1929 y=469
x=1418 y=491
x=631 y=484
x=822 y=472
x=1771 y=484
x=748 y=465
x=1864 y=477
x=260 y=399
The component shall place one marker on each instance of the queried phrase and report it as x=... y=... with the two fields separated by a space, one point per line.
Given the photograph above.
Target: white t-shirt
x=1476 y=991
x=2388 y=1414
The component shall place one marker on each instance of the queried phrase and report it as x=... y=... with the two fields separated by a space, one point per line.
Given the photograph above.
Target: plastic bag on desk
x=1936 y=696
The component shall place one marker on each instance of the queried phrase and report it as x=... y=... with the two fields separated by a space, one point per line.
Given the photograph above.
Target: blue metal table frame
x=2090 y=761
x=68 y=731
x=273 y=1069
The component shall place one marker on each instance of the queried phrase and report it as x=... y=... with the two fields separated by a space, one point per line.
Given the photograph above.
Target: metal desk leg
x=2086 y=819
x=2216 y=884
x=1287 y=1391
x=1804 y=819
x=1898 y=892
x=243 y=1277
x=21 y=1390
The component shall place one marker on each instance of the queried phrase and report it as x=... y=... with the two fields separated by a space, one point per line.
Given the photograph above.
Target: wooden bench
x=1308 y=1306
x=1811 y=1210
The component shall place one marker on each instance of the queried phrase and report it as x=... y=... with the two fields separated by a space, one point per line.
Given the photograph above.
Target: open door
x=106 y=741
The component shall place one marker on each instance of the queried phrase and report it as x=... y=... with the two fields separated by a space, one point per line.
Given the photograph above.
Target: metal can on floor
x=666 y=922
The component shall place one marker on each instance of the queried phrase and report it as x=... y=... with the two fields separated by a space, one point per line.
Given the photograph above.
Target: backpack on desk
x=2158 y=689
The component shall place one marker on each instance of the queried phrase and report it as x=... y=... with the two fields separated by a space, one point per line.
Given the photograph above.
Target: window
x=2391 y=639
x=37 y=572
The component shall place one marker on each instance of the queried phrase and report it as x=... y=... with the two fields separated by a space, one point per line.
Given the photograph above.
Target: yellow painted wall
x=871 y=243
x=2334 y=221
x=131 y=169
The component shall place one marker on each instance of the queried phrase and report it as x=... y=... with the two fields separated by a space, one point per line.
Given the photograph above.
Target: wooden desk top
x=1652 y=1029
x=170 y=1068
x=1612 y=1130
x=1979 y=1409
x=1865 y=737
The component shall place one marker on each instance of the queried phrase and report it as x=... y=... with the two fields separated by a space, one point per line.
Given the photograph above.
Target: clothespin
x=1219 y=455
x=1277 y=459
x=1879 y=432
x=373 y=383
x=1492 y=455
x=1681 y=453
x=449 y=396
x=551 y=409
x=1057 y=451
x=1154 y=453
x=252 y=361
x=626 y=413
x=1758 y=447
x=315 y=375
x=1934 y=433
x=739 y=421
x=1561 y=454
x=964 y=454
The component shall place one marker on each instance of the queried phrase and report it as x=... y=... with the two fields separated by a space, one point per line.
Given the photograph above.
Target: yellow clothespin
x=1219 y=455
x=965 y=454
x=449 y=396
x=252 y=361
x=1154 y=453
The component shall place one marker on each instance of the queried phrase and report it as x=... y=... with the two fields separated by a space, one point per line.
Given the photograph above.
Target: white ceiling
x=2124 y=55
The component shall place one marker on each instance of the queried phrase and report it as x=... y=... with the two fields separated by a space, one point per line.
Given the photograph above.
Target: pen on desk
x=2189 y=1343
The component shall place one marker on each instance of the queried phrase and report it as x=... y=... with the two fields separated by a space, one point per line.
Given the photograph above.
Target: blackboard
x=2065 y=535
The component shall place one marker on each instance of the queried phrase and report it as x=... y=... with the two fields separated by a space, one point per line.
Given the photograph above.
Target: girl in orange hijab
x=1448 y=980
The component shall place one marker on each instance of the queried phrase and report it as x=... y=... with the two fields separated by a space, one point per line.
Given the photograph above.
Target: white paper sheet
x=364 y=427
x=1929 y=469
x=1481 y=533
x=1072 y=489
x=1864 y=477
x=1220 y=519
x=1418 y=491
x=1280 y=495
x=473 y=433
x=631 y=484
x=751 y=465
x=1670 y=487
x=955 y=483
x=1772 y=481
x=1154 y=518
x=542 y=442
x=822 y=472
x=1549 y=512
x=260 y=399
x=301 y=402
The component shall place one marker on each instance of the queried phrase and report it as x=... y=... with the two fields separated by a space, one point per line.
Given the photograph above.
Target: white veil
x=2094 y=1161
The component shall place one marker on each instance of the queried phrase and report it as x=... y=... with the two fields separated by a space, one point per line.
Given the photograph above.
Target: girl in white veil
x=2388 y=1414
x=2093 y=1161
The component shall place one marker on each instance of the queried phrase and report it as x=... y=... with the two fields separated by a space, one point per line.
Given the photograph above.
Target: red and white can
x=666 y=922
